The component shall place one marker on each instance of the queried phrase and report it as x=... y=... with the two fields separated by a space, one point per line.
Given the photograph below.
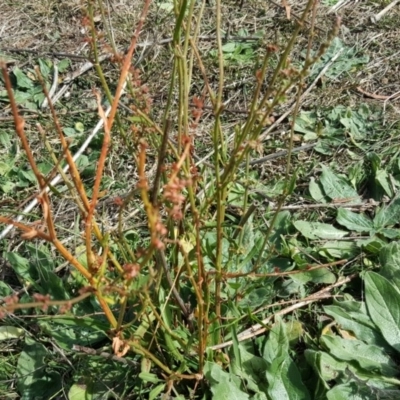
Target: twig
x=349 y=205
x=205 y=38
x=244 y=219
x=378 y=96
x=281 y=153
x=69 y=78
x=39 y=53
x=93 y=352
x=265 y=134
x=163 y=262
x=278 y=154
x=288 y=112
x=6 y=119
x=338 y=5
x=160 y=163
x=235 y=275
x=289 y=12
x=57 y=179
x=258 y=329
x=379 y=16
x=53 y=88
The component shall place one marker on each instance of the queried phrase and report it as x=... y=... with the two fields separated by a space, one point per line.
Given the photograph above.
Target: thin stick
x=379 y=16
x=303 y=96
x=100 y=353
x=58 y=178
x=379 y=96
x=339 y=4
x=258 y=329
x=53 y=88
x=160 y=163
x=163 y=261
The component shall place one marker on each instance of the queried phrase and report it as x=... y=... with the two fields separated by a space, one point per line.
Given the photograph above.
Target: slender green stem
x=220 y=192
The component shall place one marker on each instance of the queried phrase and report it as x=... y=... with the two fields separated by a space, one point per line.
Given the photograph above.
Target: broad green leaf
x=5 y=289
x=33 y=380
x=41 y=256
x=353 y=307
x=82 y=161
x=369 y=357
x=79 y=392
x=353 y=221
x=372 y=245
x=63 y=65
x=390 y=233
x=348 y=391
x=285 y=381
x=316 y=191
x=257 y=297
x=10 y=332
x=339 y=249
x=70 y=132
x=20 y=265
x=276 y=343
x=229 y=47
x=294 y=331
x=320 y=275
x=348 y=59
x=22 y=80
x=383 y=302
x=73 y=332
x=305 y=123
x=369 y=386
x=354 y=126
x=149 y=377
x=286 y=288
x=250 y=368
x=227 y=390
x=246 y=263
x=318 y=230
x=358 y=323
x=51 y=284
x=336 y=187
x=45 y=67
x=328 y=367
x=7 y=187
x=382 y=177
x=223 y=385
x=4 y=95
x=156 y=391
x=5 y=167
x=282 y=226
x=311 y=376
x=375 y=161
x=326 y=144
x=389 y=257
x=388 y=215
x=79 y=127
x=28 y=175
x=259 y=396
x=313 y=359
x=45 y=168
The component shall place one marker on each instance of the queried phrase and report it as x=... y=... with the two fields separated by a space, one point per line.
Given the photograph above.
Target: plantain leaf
x=383 y=302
